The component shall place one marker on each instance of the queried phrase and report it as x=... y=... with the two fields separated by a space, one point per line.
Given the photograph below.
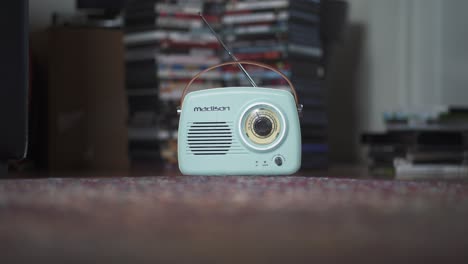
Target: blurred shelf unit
x=418 y=147
x=286 y=35
x=166 y=45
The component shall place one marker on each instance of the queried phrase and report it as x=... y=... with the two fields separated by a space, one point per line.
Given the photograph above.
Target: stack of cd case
x=166 y=45
x=307 y=60
x=285 y=34
x=257 y=31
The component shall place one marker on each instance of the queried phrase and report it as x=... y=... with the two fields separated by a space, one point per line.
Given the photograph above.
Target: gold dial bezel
x=248 y=134
x=253 y=116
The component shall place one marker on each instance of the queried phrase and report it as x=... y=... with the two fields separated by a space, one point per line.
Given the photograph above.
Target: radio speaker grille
x=212 y=138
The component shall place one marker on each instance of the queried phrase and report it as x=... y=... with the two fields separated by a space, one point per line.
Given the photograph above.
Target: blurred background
x=378 y=79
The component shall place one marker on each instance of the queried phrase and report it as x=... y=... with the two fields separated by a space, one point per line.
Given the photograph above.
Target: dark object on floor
x=13 y=80
x=232 y=220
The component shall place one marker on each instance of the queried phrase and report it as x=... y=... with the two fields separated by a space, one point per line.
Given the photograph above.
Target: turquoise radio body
x=239 y=131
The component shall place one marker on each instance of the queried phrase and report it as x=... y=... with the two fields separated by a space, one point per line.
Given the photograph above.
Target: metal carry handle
x=293 y=89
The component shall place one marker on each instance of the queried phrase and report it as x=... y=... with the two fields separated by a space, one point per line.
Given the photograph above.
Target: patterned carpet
x=232 y=220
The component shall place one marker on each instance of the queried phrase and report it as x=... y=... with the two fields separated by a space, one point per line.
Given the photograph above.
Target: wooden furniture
x=87 y=105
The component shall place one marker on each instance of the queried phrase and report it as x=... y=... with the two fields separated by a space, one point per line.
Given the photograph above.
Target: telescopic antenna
x=228 y=51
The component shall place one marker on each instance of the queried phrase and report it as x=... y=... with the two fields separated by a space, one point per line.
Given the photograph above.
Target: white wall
x=401 y=60
x=415 y=56
x=454 y=80
x=40 y=11
x=412 y=55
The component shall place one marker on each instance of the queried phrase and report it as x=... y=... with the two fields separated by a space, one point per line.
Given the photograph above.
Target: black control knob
x=279 y=161
x=263 y=126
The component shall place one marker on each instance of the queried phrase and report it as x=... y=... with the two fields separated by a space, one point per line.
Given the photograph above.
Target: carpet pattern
x=232 y=220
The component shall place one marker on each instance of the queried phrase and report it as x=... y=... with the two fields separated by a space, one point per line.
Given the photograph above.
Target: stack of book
x=435 y=149
x=382 y=150
x=257 y=31
x=306 y=59
x=166 y=45
x=435 y=153
x=286 y=35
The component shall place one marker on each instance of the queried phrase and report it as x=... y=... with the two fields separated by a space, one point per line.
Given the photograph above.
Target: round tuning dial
x=262 y=125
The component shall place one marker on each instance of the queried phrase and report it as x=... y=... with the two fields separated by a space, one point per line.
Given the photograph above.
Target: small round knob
x=263 y=126
x=278 y=161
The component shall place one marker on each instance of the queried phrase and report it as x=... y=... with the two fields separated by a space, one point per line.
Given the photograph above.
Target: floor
x=182 y=219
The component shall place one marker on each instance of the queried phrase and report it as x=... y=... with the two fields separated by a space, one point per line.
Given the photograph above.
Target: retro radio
x=239 y=130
